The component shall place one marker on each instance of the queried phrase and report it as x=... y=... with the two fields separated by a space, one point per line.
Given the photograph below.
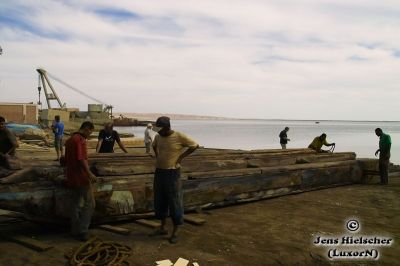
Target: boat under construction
x=210 y=178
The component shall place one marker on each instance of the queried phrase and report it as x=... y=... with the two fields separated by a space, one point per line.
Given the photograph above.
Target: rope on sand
x=96 y=252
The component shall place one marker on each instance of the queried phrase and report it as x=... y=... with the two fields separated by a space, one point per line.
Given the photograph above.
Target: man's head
x=378 y=131
x=163 y=122
x=86 y=128
x=2 y=123
x=57 y=118
x=286 y=128
x=149 y=125
x=323 y=136
x=108 y=127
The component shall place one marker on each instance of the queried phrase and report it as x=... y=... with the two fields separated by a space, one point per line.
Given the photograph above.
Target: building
x=27 y=113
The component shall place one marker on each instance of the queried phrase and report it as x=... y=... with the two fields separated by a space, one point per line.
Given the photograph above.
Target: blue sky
x=309 y=59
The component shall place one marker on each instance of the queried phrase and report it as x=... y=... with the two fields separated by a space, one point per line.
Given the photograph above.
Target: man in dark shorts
x=170 y=148
x=385 y=143
x=107 y=137
x=58 y=130
x=80 y=181
x=283 y=139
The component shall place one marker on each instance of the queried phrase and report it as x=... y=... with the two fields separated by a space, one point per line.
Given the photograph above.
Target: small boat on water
x=210 y=178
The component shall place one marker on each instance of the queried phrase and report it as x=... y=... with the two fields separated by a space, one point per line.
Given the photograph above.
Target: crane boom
x=49 y=95
x=44 y=76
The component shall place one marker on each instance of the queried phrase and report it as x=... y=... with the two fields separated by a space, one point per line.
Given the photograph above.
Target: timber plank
x=115 y=229
x=29 y=242
x=193 y=219
x=148 y=223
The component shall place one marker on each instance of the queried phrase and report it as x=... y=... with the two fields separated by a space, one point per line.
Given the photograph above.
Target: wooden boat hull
x=126 y=190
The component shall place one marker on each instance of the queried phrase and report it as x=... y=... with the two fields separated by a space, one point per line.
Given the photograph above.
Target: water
x=263 y=134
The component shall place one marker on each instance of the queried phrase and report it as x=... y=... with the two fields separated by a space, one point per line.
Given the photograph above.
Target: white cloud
x=261 y=59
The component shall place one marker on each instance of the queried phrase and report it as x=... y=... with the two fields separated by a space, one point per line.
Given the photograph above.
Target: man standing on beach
x=170 y=148
x=107 y=137
x=58 y=130
x=318 y=142
x=385 y=143
x=283 y=137
x=148 y=137
x=80 y=181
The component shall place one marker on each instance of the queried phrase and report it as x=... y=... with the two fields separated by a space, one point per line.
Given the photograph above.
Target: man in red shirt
x=79 y=181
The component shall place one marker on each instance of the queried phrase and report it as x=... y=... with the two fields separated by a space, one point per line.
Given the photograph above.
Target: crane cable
x=76 y=89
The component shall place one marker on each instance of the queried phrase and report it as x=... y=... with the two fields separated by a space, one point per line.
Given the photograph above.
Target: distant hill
x=154 y=116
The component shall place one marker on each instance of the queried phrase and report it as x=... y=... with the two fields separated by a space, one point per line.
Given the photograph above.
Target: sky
x=265 y=59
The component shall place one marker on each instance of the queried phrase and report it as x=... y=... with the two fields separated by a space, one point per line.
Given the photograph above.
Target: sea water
x=356 y=136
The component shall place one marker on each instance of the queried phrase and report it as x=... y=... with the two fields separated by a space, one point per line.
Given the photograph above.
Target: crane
x=51 y=94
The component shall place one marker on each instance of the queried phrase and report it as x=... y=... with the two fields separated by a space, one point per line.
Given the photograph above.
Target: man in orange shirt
x=79 y=181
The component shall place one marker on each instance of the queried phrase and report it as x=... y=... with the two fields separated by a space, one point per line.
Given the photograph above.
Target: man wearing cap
x=148 y=137
x=170 y=148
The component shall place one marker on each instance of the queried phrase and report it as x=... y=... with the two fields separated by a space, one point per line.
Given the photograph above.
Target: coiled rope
x=96 y=252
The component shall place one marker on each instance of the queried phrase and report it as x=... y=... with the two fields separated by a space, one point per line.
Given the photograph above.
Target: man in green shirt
x=385 y=143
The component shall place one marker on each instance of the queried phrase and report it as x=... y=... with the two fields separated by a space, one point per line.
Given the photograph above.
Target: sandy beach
x=278 y=231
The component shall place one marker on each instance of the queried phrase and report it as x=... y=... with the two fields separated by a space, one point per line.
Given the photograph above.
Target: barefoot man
x=170 y=148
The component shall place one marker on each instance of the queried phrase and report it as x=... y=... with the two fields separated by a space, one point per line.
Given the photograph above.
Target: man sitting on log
x=318 y=142
x=8 y=145
x=170 y=148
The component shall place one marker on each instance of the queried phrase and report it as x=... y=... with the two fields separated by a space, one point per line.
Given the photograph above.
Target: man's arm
x=328 y=144
x=85 y=165
x=155 y=150
x=14 y=143
x=99 y=142
x=121 y=145
x=186 y=153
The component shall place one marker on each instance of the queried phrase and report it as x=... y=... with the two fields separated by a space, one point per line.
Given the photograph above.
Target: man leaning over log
x=8 y=145
x=80 y=181
x=318 y=142
x=169 y=148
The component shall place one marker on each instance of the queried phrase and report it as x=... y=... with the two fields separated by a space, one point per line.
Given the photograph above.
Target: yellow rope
x=96 y=252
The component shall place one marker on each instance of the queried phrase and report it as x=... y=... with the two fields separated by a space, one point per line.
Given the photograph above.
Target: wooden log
x=111 y=169
x=224 y=173
x=115 y=229
x=131 y=169
x=12 y=214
